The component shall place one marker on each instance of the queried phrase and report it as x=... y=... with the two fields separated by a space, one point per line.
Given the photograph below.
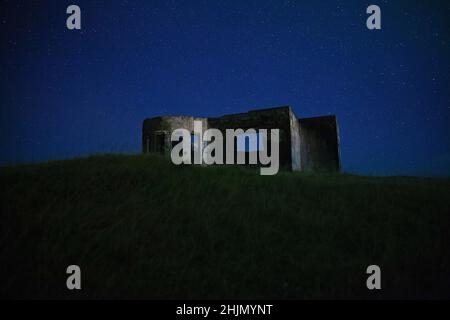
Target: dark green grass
x=140 y=227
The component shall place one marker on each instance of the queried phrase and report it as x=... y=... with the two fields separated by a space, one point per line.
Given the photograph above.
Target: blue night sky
x=73 y=93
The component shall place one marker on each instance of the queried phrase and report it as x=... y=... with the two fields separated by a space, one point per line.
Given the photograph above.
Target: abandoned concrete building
x=306 y=144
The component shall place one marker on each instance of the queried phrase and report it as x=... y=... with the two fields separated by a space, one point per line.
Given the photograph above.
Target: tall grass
x=140 y=227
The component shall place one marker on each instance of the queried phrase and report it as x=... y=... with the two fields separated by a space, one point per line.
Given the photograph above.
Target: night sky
x=72 y=93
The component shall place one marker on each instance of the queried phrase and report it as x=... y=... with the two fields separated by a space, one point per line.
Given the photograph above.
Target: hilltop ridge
x=140 y=227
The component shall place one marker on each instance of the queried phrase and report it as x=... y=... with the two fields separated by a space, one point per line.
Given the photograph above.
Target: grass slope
x=140 y=227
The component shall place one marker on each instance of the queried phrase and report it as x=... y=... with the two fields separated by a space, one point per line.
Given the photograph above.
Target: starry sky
x=67 y=93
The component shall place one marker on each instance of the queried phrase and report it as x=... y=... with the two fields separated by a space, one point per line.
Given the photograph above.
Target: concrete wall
x=154 y=127
x=310 y=144
x=319 y=144
x=295 y=141
x=274 y=118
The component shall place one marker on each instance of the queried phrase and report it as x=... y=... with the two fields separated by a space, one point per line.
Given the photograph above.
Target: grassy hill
x=140 y=227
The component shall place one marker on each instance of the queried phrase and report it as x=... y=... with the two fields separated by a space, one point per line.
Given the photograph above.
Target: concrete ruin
x=306 y=144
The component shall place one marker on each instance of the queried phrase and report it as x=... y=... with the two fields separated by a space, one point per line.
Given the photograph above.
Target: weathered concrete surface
x=310 y=144
x=295 y=141
x=274 y=118
x=320 y=144
x=156 y=132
